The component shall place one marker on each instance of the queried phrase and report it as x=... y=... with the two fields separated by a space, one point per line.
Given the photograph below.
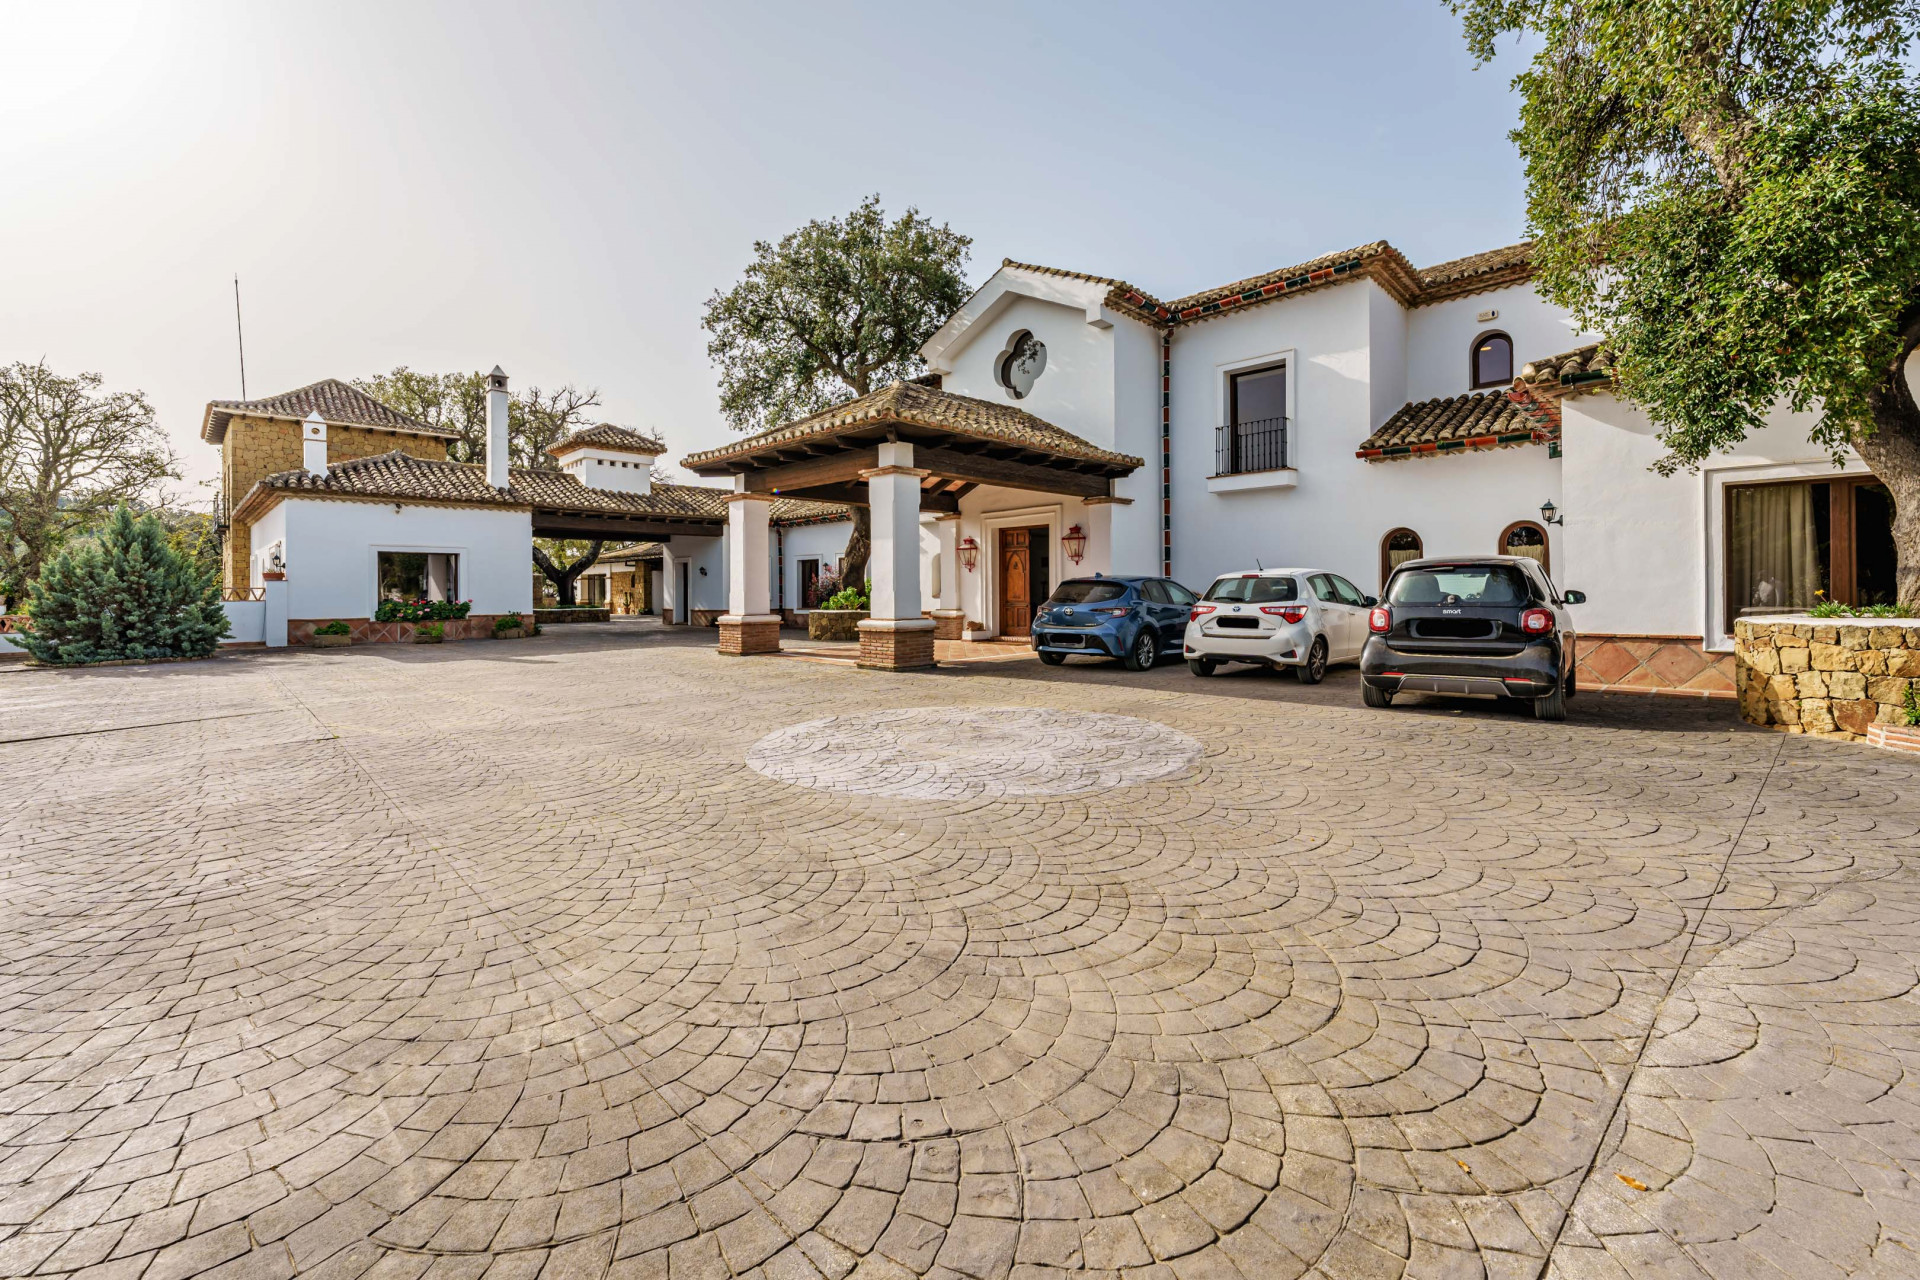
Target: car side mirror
x=1369 y=601
x=1574 y=597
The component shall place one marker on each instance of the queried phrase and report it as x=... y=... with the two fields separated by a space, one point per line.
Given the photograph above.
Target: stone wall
x=1827 y=676
x=259 y=447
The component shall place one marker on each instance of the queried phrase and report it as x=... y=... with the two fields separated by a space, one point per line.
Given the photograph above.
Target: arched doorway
x=1398 y=547
x=1525 y=538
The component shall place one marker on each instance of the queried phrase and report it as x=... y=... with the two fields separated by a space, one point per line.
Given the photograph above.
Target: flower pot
x=511 y=633
x=331 y=642
x=835 y=624
x=421 y=637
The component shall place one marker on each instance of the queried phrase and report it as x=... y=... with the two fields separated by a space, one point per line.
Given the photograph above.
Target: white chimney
x=497 y=456
x=313 y=444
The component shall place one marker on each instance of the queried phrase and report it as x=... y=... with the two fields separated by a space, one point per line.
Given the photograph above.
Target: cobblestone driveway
x=500 y=959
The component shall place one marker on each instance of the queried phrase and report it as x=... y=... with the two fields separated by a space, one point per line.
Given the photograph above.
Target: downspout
x=1166 y=453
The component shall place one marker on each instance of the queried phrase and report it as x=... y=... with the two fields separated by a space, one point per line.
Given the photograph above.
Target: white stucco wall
x=332 y=553
x=1076 y=390
x=1440 y=337
x=246 y=621
x=823 y=542
x=706 y=592
x=1645 y=547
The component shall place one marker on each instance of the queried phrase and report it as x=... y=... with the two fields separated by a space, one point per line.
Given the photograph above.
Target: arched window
x=1525 y=538
x=1396 y=549
x=1490 y=363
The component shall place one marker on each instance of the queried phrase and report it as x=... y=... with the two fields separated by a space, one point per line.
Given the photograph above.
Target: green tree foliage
x=125 y=593
x=1729 y=191
x=69 y=453
x=833 y=311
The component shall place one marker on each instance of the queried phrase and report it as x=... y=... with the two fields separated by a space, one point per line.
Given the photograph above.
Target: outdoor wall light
x=1074 y=543
x=969 y=553
x=1550 y=514
x=703 y=571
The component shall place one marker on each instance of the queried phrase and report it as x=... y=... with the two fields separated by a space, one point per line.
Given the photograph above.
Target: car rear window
x=1087 y=591
x=1490 y=584
x=1238 y=590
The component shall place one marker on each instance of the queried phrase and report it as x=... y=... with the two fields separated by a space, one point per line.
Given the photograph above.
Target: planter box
x=579 y=613
x=331 y=642
x=421 y=637
x=511 y=633
x=1835 y=677
x=835 y=624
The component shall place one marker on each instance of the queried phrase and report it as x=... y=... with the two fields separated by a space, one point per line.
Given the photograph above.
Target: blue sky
x=558 y=188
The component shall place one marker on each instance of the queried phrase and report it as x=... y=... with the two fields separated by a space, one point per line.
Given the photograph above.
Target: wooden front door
x=1016 y=581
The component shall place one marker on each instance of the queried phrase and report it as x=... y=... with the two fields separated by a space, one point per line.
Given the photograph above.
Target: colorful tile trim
x=1166 y=454
x=1266 y=291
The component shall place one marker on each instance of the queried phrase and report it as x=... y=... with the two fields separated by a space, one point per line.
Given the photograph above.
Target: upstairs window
x=1254 y=437
x=1491 y=360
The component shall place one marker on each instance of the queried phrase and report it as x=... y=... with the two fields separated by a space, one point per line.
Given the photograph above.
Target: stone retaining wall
x=1827 y=676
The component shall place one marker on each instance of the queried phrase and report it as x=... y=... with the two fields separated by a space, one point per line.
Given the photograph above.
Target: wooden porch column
x=896 y=635
x=749 y=625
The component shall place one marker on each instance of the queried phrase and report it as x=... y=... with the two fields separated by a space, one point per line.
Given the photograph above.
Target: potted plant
x=509 y=626
x=429 y=632
x=332 y=635
x=840 y=615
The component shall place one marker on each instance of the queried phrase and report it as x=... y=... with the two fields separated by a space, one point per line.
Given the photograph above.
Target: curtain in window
x=1773 y=548
x=1526 y=540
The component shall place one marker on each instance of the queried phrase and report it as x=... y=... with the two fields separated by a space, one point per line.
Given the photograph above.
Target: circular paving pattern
x=462 y=964
x=972 y=753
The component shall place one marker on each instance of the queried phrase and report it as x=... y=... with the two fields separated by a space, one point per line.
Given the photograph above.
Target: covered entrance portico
x=900 y=452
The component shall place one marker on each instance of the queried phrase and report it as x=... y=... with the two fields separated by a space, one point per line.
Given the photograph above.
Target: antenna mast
x=241 y=334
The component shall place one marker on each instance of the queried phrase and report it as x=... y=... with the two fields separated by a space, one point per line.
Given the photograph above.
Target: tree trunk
x=564 y=576
x=1893 y=451
x=859 y=548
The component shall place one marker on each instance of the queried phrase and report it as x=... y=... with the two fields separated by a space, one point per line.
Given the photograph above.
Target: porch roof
x=561 y=505
x=1489 y=420
x=959 y=440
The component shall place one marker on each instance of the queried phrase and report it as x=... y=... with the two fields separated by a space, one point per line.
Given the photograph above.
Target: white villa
x=1345 y=413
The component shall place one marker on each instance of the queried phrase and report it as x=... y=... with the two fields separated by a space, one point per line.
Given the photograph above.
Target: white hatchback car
x=1298 y=618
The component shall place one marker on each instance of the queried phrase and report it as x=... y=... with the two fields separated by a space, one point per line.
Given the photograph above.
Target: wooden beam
x=836 y=468
x=564 y=525
x=1012 y=475
x=855 y=495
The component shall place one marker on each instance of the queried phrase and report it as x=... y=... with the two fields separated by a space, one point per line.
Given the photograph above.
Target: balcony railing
x=240 y=595
x=1240 y=447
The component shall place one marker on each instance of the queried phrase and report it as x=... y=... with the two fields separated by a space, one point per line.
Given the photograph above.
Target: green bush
x=1834 y=609
x=335 y=628
x=850 y=598
x=125 y=594
x=506 y=622
x=421 y=610
x=430 y=630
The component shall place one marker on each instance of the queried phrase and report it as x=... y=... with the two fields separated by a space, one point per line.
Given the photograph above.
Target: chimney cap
x=497 y=380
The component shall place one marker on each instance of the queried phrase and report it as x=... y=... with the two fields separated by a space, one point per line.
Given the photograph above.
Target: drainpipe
x=1166 y=453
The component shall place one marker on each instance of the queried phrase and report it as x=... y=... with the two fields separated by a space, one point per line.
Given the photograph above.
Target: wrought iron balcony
x=1240 y=447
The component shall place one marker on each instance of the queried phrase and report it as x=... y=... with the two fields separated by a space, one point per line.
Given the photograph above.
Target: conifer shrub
x=125 y=594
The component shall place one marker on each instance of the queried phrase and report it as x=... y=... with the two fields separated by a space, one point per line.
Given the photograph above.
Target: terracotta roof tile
x=335 y=401
x=611 y=438
x=398 y=476
x=1120 y=294
x=1492 y=269
x=1490 y=420
x=1588 y=368
x=914 y=405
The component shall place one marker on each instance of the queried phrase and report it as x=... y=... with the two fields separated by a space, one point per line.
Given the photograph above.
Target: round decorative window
x=1022 y=363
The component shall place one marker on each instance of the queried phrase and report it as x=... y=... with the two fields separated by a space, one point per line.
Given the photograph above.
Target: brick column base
x=749 y=634
x=949 y=624
x=896 y=645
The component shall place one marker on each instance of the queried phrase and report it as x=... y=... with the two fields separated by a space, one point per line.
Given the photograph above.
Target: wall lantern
x=1549 y=514
x=969 y=553
x=1074 y=542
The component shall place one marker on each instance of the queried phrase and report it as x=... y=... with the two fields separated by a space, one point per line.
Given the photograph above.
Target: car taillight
x=1285 y=612
x=1536 y=622
x=1115 y=613
x=1380 y=620
x=1199 y=611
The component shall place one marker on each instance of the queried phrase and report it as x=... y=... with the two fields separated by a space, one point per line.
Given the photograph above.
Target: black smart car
x=1487 y=625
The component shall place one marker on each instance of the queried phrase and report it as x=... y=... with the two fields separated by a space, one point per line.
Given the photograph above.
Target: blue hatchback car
x=1133 y=619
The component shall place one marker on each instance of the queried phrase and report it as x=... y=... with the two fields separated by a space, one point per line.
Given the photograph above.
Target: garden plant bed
x=579 y=613
x=835 y=624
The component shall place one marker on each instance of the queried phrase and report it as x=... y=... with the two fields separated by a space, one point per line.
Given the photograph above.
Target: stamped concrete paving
x=500 y=960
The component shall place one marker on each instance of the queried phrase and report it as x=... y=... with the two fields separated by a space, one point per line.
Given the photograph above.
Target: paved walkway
x=570 y=958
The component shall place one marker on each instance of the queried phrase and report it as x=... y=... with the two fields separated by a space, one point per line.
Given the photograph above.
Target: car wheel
x=1145 y=652
x=1314 y=670
x=1552 y=706
x=1375 y=697
x=1052 y=659
x=1202 y=666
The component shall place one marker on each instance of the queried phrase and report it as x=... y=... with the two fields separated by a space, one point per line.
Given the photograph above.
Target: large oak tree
x=69 y=454
x=1729 y=191
x=833 y=311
